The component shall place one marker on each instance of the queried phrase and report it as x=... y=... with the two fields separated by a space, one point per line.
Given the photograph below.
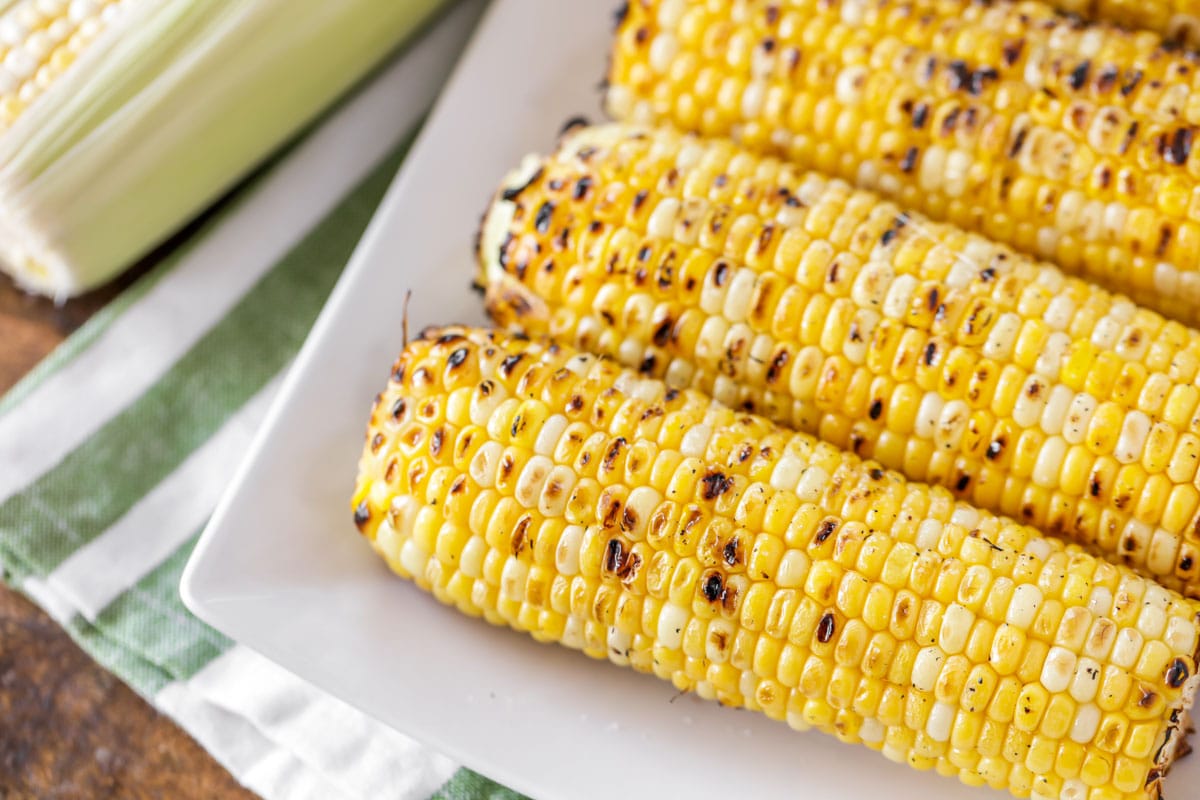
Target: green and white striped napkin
x=114 y=451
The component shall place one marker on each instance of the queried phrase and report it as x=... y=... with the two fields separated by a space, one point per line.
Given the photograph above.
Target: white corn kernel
x=752 y=98
x=20 y=63
x=82 y=10
x=548 y=436
x=871 y=730
x=1086 y=723
x=929 y=533
x=1079 y=416
x=1047 y=470
x=956 y=628
x=671 y=621
x=1180 y=635
x=872 y=285
x=952 y=425
x=1122 y=309
x=531 y=480
x=1100 y=602
x=639 y=507
x=557 y=491
x=965 y=515
x=1057 y=406
x=1030 y=404
x=1039 y=548
x=926 y=668
x=470 y=563
x=1133 y=437
x=695 y=441
x=1086 y=680
x=1151 y=622
x=484 y=465
x=811 y=484
x=786 y=474
x=1026 y=600
x=1050 y=361
x=1155 y=596
x=662 y=221
x=619 y=643
x=928 y=414
x=1058 y=670
x=737 y=299
x=710 y=344
x=856 y=348
x=932 y=169
x=1105 y=333
x=566 y=553
x=1127 y=648
x=848 y=87
x=941 y=720
x=513 y=578
x=414 y=558
x=662 y=52
x=793 y=569
x=895 y=304
x=573 y=633
x=1059 y=312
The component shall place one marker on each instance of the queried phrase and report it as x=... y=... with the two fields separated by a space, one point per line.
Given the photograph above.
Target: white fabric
x=349 y=749
x=123 y=363
x=259 y=763
x=97 y=573
x=281 y=737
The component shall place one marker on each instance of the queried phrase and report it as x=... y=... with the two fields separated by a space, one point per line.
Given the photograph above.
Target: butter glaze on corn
x=828 y=309
x=557 y=494
x=1068 y=141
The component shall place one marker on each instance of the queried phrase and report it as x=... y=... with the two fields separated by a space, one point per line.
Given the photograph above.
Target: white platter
x=282 y=569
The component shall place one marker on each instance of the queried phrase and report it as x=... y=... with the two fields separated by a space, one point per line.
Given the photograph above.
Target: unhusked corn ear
x=1068 y=141
x=1176 y=20
x=558 y=494
x=829 y=309
x=120 y=120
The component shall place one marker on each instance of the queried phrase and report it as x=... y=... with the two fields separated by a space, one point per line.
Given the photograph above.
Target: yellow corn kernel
x=946 y=638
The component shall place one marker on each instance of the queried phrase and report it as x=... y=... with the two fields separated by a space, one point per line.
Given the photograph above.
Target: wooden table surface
x=68 y=728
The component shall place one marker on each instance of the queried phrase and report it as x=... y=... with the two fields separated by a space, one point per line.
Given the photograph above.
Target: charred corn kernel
x=1071 y=142
x=871 y=642
x=893 y=356
x=96 y=169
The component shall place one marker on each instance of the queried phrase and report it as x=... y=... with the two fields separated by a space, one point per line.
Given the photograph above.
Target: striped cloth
x=114 y=451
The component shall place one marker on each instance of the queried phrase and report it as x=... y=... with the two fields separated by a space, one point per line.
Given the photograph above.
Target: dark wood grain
x=68 y=728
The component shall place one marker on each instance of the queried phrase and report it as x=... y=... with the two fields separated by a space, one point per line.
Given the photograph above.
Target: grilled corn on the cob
x=121 y=119
x=557 y=494
x=1072 y=142
x=1177 y=20
x=826 y=308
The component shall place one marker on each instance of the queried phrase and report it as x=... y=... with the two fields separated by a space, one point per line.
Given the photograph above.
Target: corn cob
x=825 y=308
x=1068 y=141
x=557 y=494
x=122 y=119
x=1176 y=20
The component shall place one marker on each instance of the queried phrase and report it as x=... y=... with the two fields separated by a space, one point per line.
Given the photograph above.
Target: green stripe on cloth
x=146 y=636
x=150 y=619
x=175 y=249
x=97 y=483
x=143 y=677
x=468 y=785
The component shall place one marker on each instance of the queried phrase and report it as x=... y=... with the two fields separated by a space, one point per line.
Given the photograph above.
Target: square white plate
x=282 y=569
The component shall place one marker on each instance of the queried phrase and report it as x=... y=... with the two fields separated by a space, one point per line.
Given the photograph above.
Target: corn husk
x=159 y=109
